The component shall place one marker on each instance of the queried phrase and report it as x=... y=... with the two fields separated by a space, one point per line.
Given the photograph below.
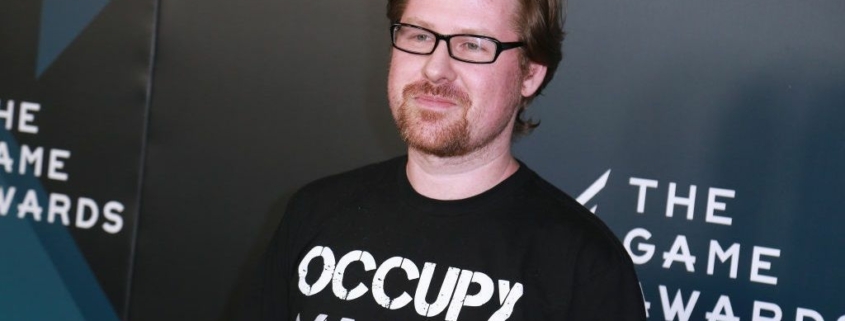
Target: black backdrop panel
x=252 y=99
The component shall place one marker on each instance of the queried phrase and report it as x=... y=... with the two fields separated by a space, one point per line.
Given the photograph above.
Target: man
x=458 y=229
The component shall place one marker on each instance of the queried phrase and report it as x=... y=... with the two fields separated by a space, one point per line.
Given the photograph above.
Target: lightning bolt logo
x=593 y=190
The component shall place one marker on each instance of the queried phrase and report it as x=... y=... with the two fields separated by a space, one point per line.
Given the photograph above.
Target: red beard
x=432 y=132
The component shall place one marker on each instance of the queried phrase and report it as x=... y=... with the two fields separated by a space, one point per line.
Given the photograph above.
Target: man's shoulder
x=353 y=181
x=560 y=216
x=551 y=202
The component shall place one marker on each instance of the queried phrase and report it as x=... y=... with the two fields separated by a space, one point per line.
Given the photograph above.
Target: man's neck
x=454 y=178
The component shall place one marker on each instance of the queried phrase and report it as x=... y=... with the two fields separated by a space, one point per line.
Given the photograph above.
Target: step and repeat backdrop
x=73 y=87
x=709 y=135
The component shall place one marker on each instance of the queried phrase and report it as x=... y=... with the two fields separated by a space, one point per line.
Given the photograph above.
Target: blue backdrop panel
x=720 y=128
x=73 y=108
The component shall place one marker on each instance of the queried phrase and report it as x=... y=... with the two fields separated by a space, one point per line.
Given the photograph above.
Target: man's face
x=446 y=107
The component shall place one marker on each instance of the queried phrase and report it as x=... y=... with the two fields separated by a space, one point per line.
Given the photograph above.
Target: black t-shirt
x=363 y=245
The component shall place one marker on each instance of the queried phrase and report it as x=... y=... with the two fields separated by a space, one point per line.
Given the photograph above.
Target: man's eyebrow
x=467 y=31
x=417 y=22
x=477 y=32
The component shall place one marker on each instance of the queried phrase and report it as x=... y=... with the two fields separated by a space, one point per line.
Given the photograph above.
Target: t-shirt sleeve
x=606 y=285
x=267 y=297
x=611 y=293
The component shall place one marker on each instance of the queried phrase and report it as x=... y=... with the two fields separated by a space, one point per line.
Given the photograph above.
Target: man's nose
x=439 y=65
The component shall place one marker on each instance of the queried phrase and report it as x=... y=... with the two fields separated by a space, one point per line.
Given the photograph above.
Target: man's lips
x=442 y=97
x=431 y=101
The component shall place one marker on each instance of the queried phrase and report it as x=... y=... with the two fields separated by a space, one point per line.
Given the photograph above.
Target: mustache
x=447 y=91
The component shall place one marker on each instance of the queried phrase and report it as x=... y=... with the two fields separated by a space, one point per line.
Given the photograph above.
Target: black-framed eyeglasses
x=463 y=47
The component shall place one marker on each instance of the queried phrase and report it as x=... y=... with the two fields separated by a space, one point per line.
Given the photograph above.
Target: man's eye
x=420 y=37
x=473 y=45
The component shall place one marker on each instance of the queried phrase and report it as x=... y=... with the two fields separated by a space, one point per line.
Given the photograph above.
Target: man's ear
x=533 y=78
